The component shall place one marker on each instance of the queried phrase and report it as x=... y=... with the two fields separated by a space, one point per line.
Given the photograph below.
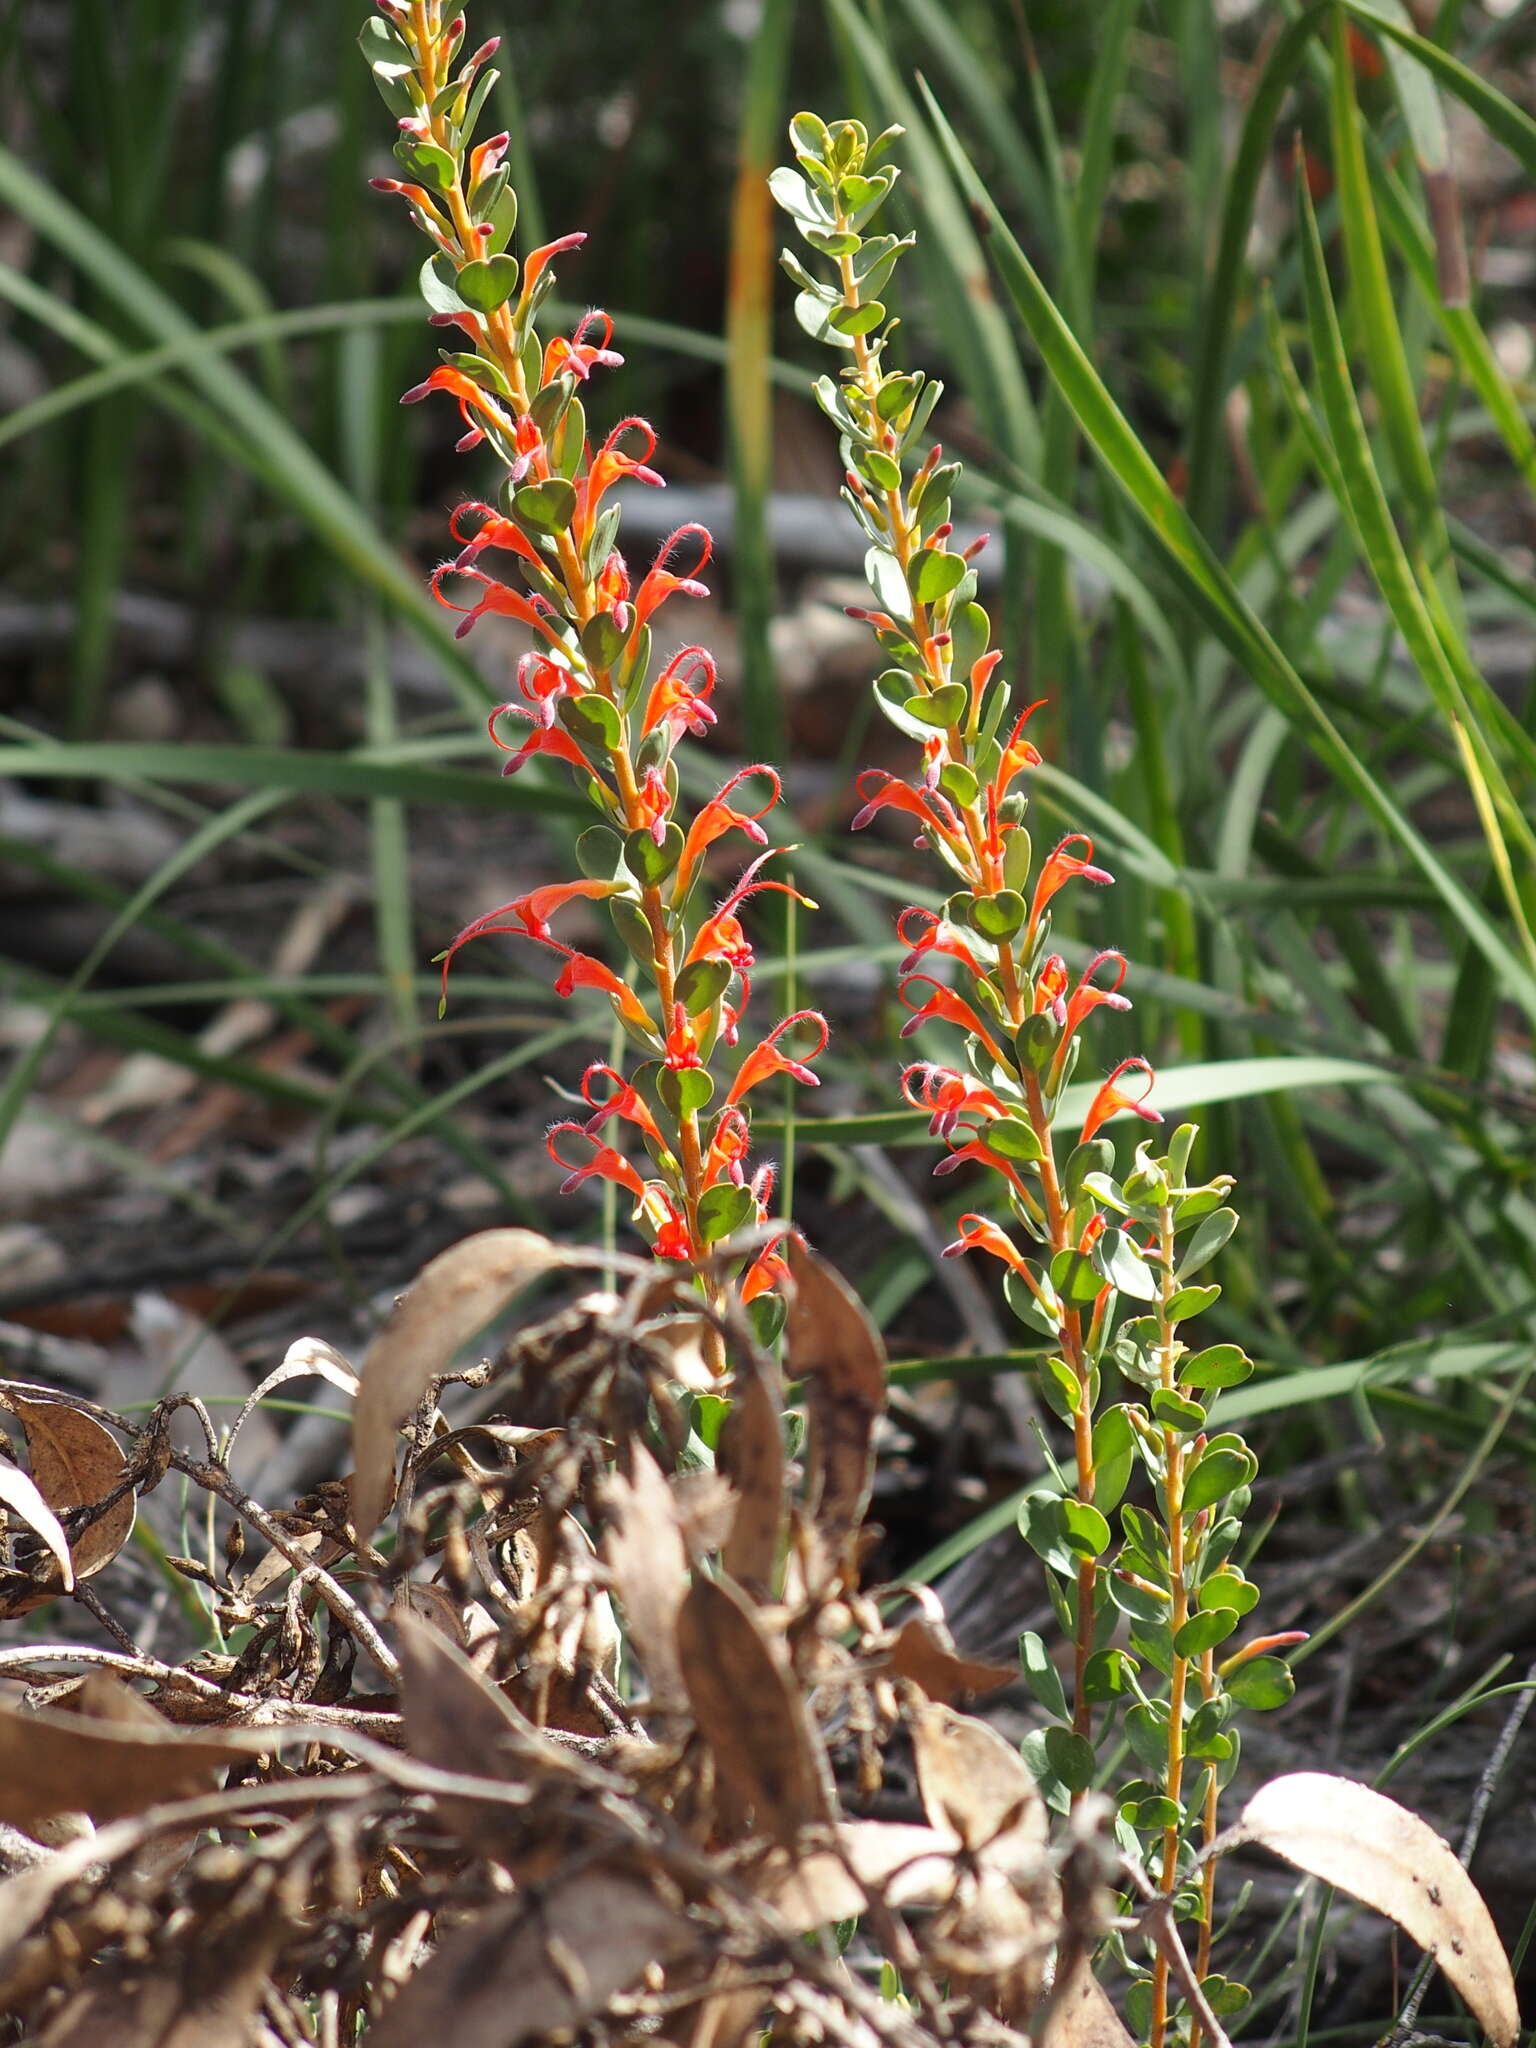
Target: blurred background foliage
x=1284 y=617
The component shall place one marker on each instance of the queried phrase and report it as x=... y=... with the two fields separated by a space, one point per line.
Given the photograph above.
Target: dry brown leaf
x=307 y=1358
x=643 y=1545
x=77 y=1461
x=974 y=1781
x=751 y=1455
x=907 y=1864
x=832 y=1346
x=1082 y=2016
x=919 y=1653
x=19 y=1494
x=207 y=2006
x=1385 y=1856
x=750 y=1711
x=453 y=1297
x=536 y=1969
x=64 y=1763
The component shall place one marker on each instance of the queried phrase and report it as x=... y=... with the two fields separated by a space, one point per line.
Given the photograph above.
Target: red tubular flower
x=1060 y=869
x=675 y=702
x=469 y=394
x=935 y=937
x=534 y=910
x=767 y=1271
x=1050 y=988
x=578 y=357
x=1112 y=1098
x=948 y=1095
x=721 y=937
x=653 y=804
x=660 y=582
x=980 y=1234
x=765 y=1060
x=499 y=598
x=718 y=817
x=682 y=1045
x=624 y=1101
x=493 y=532
x=536 y=260
x=727 y=1149
x=1018 y=754
x=952 y=1008
x=607 y=466
x=979 y=1153
x=673 y=1239
x=1086 y=997
x=544 y=739
x=580 y=971
x=604 y=1164
x=879 y=790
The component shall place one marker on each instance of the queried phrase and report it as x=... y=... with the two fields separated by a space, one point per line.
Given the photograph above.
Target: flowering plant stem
x=1095 y=1242
x=588 y=691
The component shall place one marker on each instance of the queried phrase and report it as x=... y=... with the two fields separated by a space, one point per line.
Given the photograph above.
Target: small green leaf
x=1000 y=916
x=1135 y=1601
x=488 y=284
x=701 y=985
x=1217 y=1472
x=425 y=162
x=648 y=862
x=1114 y=1454
x=1261 y=1684
x=591 y=720
x=602 y=640
x=877 y=468
x=1220 y=1365
x=1076 y=1278
x=1211 y=1234
x=860 y=319
x=883 y=574
x=1085 y=1530
x=546 y=507
x=1041 y=1675
x=1010 y=1137
x=935 y=574
x=1175 y=1411
x=1146 y=1729
x=1107 y=1676
x=1229 y=1589
x=685 y=1090
x=1061 y=1387
x=959 y=784
x=1187 y=1302
x=724 y=1209
x=1070 y=1757
x=598 y=853
x=938 y=708
x=1204 y=1631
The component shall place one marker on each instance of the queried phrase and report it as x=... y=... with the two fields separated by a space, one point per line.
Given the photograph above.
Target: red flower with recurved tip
x=980 y=1234
x=718 y=817
x=766 y=1060
x=579 y=357
x=948 y=1096
x=1112 y=1098
x=937 y=936
x=604 y=1164
x=660 y=582
x=953 y=1009
x=676 y=701
x=1060 y=868
x=623 y=1101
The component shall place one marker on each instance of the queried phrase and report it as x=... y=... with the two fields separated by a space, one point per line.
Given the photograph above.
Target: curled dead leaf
x=21 y=1497
x=908 y=1865
x=643 y=1545
x=1385 y=1856
x=768 y=1759
x=973 y=1781
x=453 y=1297
x=69 y=1763
x=751 y=1457
x=921 y=1654
x=836 y=1350
x=537 y=1968
x=76 y=1462
x=1081 y=2015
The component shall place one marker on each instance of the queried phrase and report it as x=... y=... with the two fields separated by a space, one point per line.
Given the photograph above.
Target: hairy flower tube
x=587 y=693
x=1096 y=1266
